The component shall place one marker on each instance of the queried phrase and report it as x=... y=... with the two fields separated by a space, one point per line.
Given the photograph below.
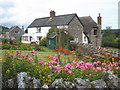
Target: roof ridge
x=58 y=15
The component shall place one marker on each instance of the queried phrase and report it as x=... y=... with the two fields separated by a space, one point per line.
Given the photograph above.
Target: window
x=38 y=29
x=49 y=42
x=95 y=32
x=17 y=31
x=76 y=40
x=39 y=38
x=25 y=38
x=85 y=39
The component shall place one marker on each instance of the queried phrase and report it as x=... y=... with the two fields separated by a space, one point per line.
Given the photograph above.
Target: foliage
x=3 y=29
x=72 y=46
x=51 y=30
x=111 y=39
x=16 y=45
x=43 y=42
x=55 y=67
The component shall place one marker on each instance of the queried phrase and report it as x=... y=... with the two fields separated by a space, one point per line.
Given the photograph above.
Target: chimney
x=99 y=21
x=52 y=13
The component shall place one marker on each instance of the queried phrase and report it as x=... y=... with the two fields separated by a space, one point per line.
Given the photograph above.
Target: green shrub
x=43 y=42
x=72 y=46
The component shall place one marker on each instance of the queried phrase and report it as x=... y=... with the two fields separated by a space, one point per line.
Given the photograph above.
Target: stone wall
x=95 y=40
x=108 y=80
x=90 y=49
x=75 y=28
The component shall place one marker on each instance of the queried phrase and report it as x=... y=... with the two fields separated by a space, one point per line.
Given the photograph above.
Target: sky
x=24 y=12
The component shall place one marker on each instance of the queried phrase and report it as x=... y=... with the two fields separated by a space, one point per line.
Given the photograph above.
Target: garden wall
x=108 y=80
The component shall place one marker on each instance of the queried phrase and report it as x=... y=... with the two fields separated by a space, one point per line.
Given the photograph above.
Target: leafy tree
x=110 y=38
x=51 y=30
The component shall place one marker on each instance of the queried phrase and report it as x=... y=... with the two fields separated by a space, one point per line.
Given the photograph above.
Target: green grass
x=42 y=55
x=114 y=49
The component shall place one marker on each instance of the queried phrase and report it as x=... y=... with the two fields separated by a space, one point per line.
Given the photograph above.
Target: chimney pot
x=99 y=21
x=52 y=13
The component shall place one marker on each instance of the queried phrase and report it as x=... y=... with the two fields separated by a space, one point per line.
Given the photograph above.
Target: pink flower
x=41 y=62
x=95 y=63
x=74 y=61
x=30 y=59
x=69 y=66
x=89 y=75
x=109 y=68
x=32 y=51
x=103 y=68
x=117 y=68
x=69 y=71
x=24 y=55
x=99 y=68
x=57 y=68
x=83 y=68
x=98 y=62
x=33 y=54
x=55 y=62
x=119 y=62
x=55 y=57
x=89 y=64
x=80 y=63
x=104 y=64
x=114 y=63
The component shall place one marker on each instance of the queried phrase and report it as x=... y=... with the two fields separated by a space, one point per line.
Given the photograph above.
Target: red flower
x=60 y=49
x=73 y=47
x=110 y=57
x=93 y=55
x=100 y=51
x=56 y=49
x=107 y=47
x=58 y=55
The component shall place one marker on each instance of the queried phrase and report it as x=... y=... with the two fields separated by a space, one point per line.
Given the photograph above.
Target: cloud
x=23 y=12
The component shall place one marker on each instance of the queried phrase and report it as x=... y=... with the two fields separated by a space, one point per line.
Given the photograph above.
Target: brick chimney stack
x=52 y=13
x=99 y=21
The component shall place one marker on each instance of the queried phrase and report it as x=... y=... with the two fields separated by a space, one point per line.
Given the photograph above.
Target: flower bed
x=20 y=46
x=87 y=67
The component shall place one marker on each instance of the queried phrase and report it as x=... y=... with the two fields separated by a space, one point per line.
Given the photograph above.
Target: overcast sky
x=23 y=12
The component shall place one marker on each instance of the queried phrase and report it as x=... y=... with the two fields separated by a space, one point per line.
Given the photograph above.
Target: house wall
x=32 y=32
x=75 y=28
x=95 y=40
x=14 y=35
x=43 y=33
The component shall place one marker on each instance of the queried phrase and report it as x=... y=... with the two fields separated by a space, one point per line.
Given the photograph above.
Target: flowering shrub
x=21 y=46
x=56 y=67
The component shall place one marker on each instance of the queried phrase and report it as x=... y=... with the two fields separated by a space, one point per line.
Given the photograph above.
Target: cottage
x=83 y=29
x=14 y=33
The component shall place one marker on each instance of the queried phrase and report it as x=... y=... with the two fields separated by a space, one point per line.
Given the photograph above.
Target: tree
x=51 y=30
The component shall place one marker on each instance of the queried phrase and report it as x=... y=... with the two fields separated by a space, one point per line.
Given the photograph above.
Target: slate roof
x=51 y=36
x=53 y=21
x=15 y=28
x=88 y=23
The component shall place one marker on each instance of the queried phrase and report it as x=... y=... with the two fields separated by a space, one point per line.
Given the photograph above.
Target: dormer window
x=38 y=29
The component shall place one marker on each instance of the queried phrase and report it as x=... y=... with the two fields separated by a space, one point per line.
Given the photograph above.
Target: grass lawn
x=114 y=49
x=42 y=55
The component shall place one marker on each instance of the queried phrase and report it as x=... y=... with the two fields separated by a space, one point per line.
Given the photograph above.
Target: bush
x=43 y=42
x=72 y=46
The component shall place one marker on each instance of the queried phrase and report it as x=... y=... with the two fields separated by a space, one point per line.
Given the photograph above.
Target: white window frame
x=39 y=30
x=25 y=38
x=76 y=39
